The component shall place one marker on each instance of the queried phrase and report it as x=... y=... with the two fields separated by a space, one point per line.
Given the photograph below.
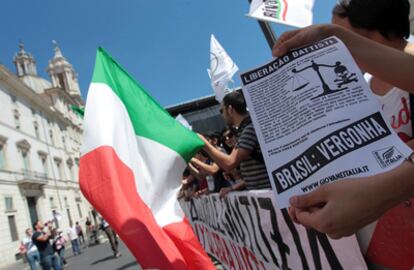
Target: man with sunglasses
x=246 y=153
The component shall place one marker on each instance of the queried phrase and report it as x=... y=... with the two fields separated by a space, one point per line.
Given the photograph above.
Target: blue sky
x=163 y=44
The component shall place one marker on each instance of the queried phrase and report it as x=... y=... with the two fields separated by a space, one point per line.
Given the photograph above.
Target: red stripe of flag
x=109 y=185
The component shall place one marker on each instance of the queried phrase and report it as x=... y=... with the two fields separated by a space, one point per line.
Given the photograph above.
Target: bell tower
x=24 y=62
x=62 y=74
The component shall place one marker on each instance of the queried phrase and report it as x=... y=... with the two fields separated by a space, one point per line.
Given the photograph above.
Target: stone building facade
x=40 y=140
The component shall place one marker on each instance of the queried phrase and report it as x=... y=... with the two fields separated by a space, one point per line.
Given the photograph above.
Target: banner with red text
x=246 y=230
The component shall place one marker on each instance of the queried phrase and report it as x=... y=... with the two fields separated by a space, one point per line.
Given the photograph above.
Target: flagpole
x=267 y=31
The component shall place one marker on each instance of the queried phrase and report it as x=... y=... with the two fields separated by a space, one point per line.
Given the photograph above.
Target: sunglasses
x=228 y=136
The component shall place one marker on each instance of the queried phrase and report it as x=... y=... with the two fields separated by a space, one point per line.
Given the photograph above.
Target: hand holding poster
x=317 y=121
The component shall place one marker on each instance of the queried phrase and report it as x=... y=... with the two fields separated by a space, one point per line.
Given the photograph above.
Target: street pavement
x=98 y=257
x=101 y=257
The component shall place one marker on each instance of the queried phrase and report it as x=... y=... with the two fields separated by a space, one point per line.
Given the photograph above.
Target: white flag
x=291 y=12
x=180 y=118
x=222 y=68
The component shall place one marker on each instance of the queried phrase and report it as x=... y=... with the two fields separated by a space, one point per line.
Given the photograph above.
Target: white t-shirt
x=28 y=243
x=72 y=233
x=395 y=105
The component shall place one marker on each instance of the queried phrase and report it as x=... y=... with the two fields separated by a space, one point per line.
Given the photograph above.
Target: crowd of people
x=45 y=244
x=376 y=33
x=230 y=160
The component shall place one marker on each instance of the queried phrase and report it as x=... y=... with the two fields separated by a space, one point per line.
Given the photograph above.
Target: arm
x=371 y=56
x=43 y=238
x=201 y=192
x=210 y=169
x=189 y=179
x=340 y=209
x=194 y=171
x=238 y=186
x=224 y=161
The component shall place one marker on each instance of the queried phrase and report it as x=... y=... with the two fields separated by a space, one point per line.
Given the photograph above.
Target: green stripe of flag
x=148 y=118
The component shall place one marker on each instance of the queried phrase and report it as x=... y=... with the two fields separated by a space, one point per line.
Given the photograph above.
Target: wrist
x=335 y=30
x=398 y=184
x=207 y=147
x=406 y=178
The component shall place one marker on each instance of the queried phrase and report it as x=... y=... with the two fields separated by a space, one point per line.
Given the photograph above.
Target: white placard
x=317 y=121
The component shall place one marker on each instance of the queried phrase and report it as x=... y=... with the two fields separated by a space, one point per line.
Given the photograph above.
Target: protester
x=30 y=249
x=73 y=237
x=246 y=153
x=386 y=22
x=189 y=185
x=90 y=231
x=22 y=251
x=59 y=242
x=233 y=176
x=41 y=239
x=215 y=139
x=229 y=139
x=341 y=208
x=214 y=175
x=112 y=237
x=184 y=185
x=201 y=176
x=79 y=232
x=88 y=225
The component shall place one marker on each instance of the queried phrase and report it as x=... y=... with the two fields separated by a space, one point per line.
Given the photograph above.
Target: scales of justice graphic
x=343 y=77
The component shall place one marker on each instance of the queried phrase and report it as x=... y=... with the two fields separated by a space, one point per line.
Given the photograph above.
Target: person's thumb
x=308 y=200
x=286 y=42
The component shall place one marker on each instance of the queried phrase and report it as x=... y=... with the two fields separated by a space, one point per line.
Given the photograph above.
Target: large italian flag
x=132 y=160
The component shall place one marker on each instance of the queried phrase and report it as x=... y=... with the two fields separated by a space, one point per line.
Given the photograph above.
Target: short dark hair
x=35 y=223
x=213 y=135
x=236 y=100
x=389 y=17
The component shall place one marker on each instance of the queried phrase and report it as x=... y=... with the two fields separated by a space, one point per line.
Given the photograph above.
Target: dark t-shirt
x=44 y=248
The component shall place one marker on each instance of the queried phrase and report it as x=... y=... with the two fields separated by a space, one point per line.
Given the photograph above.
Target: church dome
x=36 y=83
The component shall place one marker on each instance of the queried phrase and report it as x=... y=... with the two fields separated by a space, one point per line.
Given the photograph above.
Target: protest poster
x=245 y=230
x=317 y=121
